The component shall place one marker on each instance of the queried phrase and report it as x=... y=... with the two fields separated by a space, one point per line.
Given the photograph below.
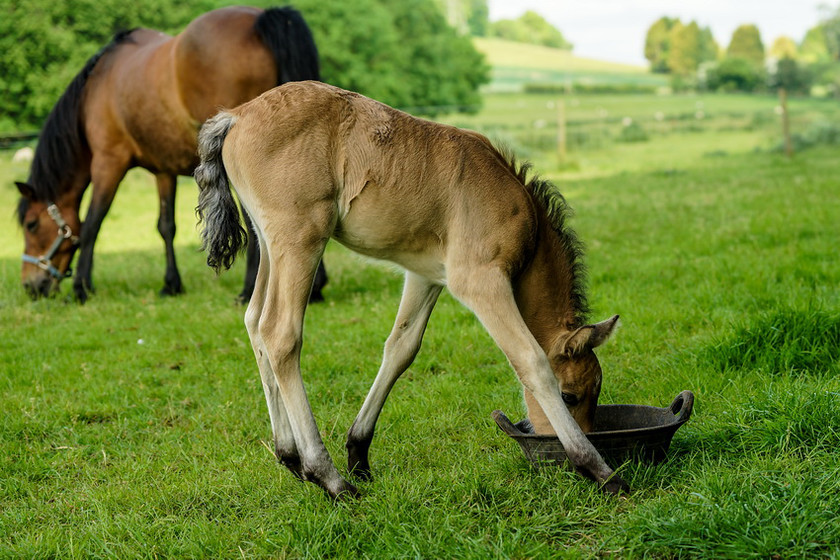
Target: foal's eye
x=32 y=226
x=570 y=399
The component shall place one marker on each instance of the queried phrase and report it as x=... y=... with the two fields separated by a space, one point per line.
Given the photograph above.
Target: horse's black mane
x=556 y=208
x=62 y=140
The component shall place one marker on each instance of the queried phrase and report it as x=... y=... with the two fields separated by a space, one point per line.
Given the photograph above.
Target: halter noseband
x=44 y=262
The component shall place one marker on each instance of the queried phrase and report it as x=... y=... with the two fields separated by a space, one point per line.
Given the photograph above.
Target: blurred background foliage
x=402 y=52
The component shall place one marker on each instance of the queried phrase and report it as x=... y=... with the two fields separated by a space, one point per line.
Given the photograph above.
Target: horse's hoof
x=615 y=485
x=81 y=294
x=168 y=291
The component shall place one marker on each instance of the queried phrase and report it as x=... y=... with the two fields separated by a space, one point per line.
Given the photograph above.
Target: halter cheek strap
x=44 y=262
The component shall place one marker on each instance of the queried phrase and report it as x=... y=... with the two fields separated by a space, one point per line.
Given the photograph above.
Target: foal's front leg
x=418 y=300
x=489 y=294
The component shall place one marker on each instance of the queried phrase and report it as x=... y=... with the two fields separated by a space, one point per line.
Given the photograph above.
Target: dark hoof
x=293 y=464
x=357 y=460
x=81 y=294
x=168 y=291
x=615 y=485
x=345 y=493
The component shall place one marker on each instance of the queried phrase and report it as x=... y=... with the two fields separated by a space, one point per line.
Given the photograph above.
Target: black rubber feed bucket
x=622 y=431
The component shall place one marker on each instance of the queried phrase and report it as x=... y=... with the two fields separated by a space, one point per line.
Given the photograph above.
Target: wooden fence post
x=785 y=122
x=561 y=131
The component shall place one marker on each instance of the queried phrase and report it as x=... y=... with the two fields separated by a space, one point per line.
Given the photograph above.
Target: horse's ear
x=587 y=337
x=26 y=190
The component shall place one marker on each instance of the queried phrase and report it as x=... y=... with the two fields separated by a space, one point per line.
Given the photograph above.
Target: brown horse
x=309 y=162
x=140 y=102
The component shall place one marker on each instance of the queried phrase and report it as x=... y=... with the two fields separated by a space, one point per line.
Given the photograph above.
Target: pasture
x=135 y=426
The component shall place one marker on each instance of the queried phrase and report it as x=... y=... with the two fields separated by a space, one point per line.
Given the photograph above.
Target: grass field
x=135 y=426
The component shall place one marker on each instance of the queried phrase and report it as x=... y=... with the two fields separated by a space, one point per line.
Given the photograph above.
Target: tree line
x=402 y=52
x=694 y=60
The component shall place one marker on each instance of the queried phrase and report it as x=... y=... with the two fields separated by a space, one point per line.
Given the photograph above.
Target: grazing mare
x=309 y=162
x=140 y=102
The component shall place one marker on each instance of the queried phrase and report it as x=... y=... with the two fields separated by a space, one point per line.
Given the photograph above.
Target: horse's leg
x=418 y=300
x=488 y=292
x=252 y=260
x=167 y=185
x=293 y=259
x=106 y=174
x=284 y=441
x=252 y=263
x=319 y=283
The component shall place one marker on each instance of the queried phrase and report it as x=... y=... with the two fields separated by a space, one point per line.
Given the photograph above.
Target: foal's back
x=403 y=189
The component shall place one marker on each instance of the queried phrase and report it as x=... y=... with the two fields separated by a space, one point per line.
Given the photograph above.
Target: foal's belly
x=411 y=256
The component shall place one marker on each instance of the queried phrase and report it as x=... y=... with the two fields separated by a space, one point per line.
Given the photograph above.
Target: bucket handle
x=682 y=406
x=505 y=424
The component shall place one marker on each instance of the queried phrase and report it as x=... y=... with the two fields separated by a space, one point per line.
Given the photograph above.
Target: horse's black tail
x=287 y=36
x=223 y=236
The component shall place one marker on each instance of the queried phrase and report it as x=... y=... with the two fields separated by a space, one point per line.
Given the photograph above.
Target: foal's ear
x=587 y=337
x=26 y=190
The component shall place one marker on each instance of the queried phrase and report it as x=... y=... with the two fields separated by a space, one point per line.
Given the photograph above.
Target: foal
x=310 y=161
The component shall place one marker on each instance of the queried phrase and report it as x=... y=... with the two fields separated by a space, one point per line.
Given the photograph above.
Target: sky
x=614 y=30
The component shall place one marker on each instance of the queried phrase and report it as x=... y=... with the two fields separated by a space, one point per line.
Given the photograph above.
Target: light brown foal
x=309 y=162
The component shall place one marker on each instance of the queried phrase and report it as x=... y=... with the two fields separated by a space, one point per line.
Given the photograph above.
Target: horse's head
x=578 y=373
x=50 y=235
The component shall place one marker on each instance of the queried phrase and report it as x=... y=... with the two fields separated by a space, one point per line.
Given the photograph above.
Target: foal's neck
x=544 y=289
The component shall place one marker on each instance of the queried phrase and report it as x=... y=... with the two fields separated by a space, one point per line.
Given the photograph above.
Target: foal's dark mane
x=62 y=140
x=549 y=198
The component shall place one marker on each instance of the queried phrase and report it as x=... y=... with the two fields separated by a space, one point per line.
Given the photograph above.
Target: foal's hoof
x=357 y=459
x=342 y=492
x=615 y=485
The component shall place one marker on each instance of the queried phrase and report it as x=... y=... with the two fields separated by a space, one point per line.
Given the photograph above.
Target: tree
x=709 y=49
x=45 y=43
x=400 y=52
x=466 y=16
x=658 y=44
x=791 y=76
x=735 y=74
x=746 y=45
x=783 y=47
x=813 y=47
x=830 y=25
x=684 y=55
x=531 y=28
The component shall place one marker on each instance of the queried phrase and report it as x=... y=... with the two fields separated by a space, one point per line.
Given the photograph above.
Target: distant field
x=515 y=64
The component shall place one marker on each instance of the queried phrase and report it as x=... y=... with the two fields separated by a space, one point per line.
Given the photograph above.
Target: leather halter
x=44 y=262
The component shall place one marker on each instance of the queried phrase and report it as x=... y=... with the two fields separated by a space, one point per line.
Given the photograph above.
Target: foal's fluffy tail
x=222 y=236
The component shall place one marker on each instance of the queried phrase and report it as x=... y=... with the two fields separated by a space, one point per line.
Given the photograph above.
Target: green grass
x=135 y=426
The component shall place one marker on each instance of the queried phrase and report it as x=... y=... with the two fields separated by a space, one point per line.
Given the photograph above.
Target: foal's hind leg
x=284 y=441
x=166 y=185
x=293 y=251
x=418 y=300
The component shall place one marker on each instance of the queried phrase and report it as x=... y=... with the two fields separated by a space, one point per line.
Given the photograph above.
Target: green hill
x=516 y=64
